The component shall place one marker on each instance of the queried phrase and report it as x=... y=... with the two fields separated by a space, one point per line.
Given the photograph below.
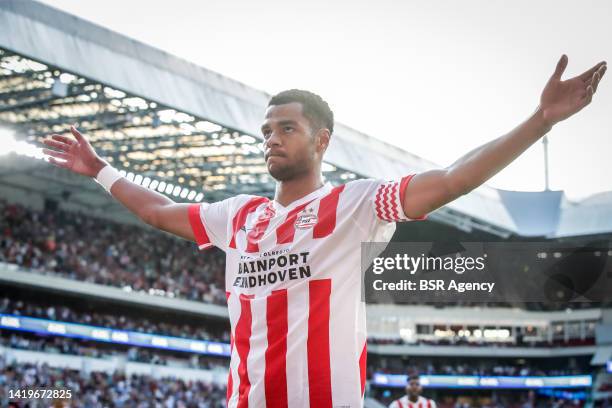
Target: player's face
x=413 y=388
x=291 y=147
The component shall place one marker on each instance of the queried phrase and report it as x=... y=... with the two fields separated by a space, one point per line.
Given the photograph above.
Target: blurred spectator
x=81 y=247
x=100 y=390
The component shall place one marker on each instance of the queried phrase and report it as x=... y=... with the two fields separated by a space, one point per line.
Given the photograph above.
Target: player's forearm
x=139 y=200
x=482 y=163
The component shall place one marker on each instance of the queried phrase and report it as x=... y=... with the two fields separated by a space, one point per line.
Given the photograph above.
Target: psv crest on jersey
x=306 y=219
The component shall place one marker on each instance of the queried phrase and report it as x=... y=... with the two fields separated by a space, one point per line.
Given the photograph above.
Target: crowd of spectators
x=398 y=341
x=142 y=324
x=66 y=345
x=71 y=346
x=85 y=248
x=101 y=390
x=481 y=367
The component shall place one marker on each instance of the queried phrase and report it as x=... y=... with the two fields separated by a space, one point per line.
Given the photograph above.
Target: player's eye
x=288 y=128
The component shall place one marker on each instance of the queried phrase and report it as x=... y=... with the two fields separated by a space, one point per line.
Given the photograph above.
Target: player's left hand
x=561 y=99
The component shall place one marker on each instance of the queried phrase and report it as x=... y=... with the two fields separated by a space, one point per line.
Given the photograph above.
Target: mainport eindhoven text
x=269 y=271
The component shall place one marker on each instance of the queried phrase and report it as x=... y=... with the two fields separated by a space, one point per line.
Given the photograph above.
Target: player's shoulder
x=241 y=199
x=378 y=191
x=398 y=403
x=363 y=183
x=429 y=403
x=231 y=205
x=373 y=184
x=360 y=186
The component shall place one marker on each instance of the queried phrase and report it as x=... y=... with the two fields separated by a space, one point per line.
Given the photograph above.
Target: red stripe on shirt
x=230 y=381
x=377 y=203
x=286 y=231
x=243 y=344
x=319 y=371
x=259 y=229
x=328 y=207
x=382 y=202
x=241 y=216
x=362 y=367
x=394 y=210
x=276 y=354
x=198 y=227
x=386 y=201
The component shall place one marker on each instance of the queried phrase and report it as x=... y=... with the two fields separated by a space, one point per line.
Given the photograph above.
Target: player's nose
x=272 y=140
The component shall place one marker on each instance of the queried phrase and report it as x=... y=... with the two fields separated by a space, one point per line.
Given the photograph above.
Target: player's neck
x=292 y=190
x=413 y=399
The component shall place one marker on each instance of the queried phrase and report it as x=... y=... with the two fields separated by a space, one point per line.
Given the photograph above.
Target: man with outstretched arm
x=293 y=263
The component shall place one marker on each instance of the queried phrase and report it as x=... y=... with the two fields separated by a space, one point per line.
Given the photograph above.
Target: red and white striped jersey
x=404 y=402
x=293 y=286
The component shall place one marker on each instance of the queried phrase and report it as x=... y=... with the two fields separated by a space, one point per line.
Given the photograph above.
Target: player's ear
x=322 y=139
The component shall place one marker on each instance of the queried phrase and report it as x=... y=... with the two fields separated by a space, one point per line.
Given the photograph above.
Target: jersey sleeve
x=388 y=198
x=382 y=200
x=209 y=223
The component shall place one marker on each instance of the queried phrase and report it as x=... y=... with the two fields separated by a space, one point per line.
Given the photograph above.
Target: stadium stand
x=90 y=249
x=103 y=389
x=60 y=312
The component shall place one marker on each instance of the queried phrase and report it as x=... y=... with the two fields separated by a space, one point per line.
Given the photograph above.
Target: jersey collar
x=324 y=189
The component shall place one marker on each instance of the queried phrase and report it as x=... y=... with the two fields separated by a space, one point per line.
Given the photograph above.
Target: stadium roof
x=187 y=130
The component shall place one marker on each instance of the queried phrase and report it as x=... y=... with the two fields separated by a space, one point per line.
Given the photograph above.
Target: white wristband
x=107 y=177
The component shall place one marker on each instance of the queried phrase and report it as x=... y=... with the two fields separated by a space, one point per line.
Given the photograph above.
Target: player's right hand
x=75 y=155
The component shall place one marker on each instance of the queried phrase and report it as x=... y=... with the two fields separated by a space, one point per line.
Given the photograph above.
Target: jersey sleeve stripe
x=383 y=203
x=243 y=343
x=276 y=352
x=328 y=207
x=241 y=216
x=394 y=201
x=197 y=226
x=386 y=201
x=319 y=369
x=377 y=202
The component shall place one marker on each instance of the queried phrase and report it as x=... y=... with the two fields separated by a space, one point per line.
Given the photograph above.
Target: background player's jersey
x=404 y=402
x=293 y=286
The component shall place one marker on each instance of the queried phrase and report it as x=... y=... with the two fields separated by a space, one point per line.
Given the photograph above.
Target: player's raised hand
x=561 y=99
x=75 y=155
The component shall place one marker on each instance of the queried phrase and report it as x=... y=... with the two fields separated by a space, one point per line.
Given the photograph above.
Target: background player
x=413 y=398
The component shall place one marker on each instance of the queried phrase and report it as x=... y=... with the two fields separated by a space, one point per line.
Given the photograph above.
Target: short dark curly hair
x=314 y=108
